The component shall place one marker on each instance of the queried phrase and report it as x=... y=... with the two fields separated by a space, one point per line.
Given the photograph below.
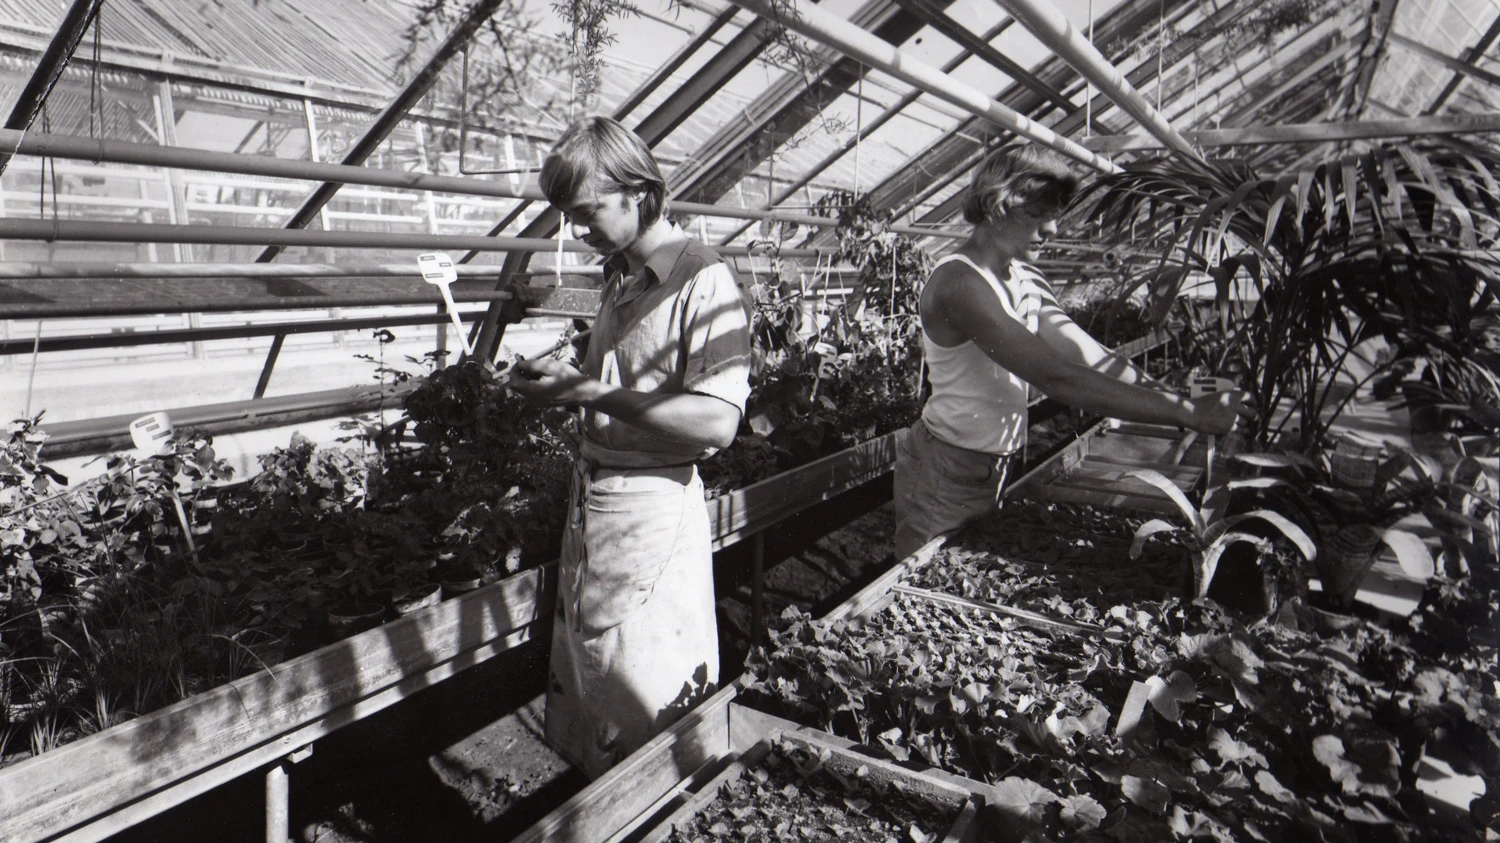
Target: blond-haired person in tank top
x=990 y=326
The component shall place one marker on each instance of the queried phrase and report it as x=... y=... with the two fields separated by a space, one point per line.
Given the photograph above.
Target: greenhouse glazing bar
x=1312 y=132
x=1052 y=28
x=48 y=70
x=393 y=114
x=232 y=332
x=864 y=132
x=103 y=270
x=833 y=31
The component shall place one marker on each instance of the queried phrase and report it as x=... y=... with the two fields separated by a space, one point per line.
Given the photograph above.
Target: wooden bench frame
x=674 y=769
x=95 y=787
x=103 y=784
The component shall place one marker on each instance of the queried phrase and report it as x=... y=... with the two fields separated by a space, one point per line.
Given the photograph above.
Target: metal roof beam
x=1456 y=65
x=49 y=69
x=949 y=157
x=1131 y=16
x=421 y=83
x=820 y=25
x=1373 y=50
x=938 y=18
x=1053 y=28
x=864 y=132
x=1243 y=115
x=792 y=102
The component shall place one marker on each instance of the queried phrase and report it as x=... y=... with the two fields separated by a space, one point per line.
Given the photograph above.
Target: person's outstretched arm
x=967 y=304
x=687 y=417
x=1070 y=340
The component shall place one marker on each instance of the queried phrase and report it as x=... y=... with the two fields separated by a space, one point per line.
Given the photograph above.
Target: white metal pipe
x=123 y=152
x=89 y=231
x=1053 y=29
x=857 y=43
x=350 y=269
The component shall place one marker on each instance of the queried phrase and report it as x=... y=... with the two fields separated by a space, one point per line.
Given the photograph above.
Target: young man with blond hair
x=662 y=384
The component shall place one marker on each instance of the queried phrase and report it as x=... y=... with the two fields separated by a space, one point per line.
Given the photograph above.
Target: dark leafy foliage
x=1183 y=724
x=791 y=794
x=1394 y=244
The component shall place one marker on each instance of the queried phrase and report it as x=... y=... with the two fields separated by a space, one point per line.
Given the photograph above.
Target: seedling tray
x=1096 y=468
x=678 y=775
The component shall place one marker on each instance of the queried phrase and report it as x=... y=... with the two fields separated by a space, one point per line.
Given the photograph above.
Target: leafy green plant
x=1209 y=532
x=1394 y=243
x=830 y=374
x=1399 y=501
x=1180 y=723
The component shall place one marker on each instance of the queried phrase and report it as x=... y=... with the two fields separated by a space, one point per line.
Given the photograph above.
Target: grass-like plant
x=1210 y=532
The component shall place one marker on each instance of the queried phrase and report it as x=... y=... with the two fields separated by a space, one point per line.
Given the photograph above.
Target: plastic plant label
x=1201 y=386
x=438 y=270
x=150 y=433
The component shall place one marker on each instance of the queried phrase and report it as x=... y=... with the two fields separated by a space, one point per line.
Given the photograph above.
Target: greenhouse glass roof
x=745 y=114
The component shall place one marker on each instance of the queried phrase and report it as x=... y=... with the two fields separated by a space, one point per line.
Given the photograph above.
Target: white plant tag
x=438 y=270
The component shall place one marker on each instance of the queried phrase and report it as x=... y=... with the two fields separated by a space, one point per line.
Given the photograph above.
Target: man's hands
x=551 y=382
x=1217 y=412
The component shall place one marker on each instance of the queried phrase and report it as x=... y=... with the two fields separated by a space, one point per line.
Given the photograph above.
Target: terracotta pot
x=1344 y=561
x=418 y=599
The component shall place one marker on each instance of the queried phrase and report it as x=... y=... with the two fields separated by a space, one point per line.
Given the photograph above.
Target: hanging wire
x=1088 y=99
x=859 y=123
x=1161 y=39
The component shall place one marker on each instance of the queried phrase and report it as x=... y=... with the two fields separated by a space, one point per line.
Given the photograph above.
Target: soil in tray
x=1066 y=560
x=790 y=796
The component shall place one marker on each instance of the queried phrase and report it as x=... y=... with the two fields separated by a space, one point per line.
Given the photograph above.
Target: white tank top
x=976 y=403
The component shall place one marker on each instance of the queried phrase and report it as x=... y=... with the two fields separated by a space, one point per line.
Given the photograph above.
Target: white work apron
x=635 y=640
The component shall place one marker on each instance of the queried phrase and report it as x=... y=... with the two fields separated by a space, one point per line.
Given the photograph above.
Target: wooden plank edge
x=748 y=725
x=1066 y=494
x=1026 y=616
x=740 y=512
x=68 y=786
x=706 y=794
x=637 y=775
x=107 y=825
x=868 y=597
x=966 y=828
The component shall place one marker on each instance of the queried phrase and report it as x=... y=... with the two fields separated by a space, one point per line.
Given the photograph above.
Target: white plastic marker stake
x=1197 y=388
x=150 y=433
x=438 y=270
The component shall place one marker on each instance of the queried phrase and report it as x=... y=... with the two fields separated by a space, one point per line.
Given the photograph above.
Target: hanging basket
x=1344 y=561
